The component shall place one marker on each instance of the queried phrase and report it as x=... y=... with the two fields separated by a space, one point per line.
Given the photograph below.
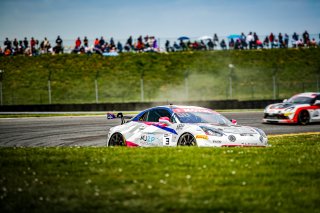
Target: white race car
x=302 y=108
x=184 y=126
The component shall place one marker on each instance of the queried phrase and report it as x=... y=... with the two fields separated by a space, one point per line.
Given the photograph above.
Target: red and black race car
x=302 y=109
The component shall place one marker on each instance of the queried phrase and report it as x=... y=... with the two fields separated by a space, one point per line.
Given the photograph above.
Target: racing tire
x=303 y=117
x=187 y=139
x=116 y=140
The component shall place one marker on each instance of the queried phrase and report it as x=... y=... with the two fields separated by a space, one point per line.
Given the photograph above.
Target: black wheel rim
x=116 y=140
x=304 y=117
x=187 y=140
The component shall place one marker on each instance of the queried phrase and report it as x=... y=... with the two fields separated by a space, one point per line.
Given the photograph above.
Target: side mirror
x=285 y=100
x=233 y=121
x=317 y=102
x=165 y=120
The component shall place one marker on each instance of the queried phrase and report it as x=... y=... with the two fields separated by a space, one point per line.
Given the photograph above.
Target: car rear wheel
x=187 y=139
x=304 y=117
x=117 y=140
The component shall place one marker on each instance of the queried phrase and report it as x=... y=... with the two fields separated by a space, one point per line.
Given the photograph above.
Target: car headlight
x=261 y=132
x=212 y=131
x=289 y=109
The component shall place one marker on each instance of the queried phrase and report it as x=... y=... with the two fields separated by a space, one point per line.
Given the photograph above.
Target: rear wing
x=122 y=117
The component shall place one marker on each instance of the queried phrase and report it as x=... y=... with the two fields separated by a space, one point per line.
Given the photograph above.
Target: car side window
x=144 y=117
x=155 y=114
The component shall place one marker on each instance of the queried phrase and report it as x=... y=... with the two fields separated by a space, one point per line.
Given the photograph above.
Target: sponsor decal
x=180 y=127
x=232 y=138
x=180 y=110
x=216 y=141
x=149 y=138
x=161 y=127
x=202 y=137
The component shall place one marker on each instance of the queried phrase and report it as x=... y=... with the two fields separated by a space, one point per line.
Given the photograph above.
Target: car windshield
x=202 y=117
x=300 y=100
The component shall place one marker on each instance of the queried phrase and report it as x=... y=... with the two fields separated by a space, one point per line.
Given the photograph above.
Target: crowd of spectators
x=150 y=44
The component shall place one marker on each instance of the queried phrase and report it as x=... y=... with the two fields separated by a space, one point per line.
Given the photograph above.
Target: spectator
x=184 y=46
x=203 y=46
x=78 y=43
x=20 y=47
x=210 y=45
x=275 y=43
x=1 y=52
x=313 y=43
x=32 y=46
x=231 y=44
x=167 y=45
x=280 y=37
x=129 y=42
x=271 y=40
x=306 y=38
x=215 y=38
x=259 y=44
x=300 y=43
x=7 y=43
x=244 y=43
x=101 y=41
x=140 y=45
x=97 y=43
x=237 y=45
x=223 y=44
x=266 y=42
x=295 y=37
x=255 y=37
x=176 y=46
x=25 y=43
x=127 y=47
x=250 y=40
x=15 y=44
x=47 y=45
x=58 y=48
x=119 y=47
x=7 y=52
x=85 y=42
x=155 y=45
x=286 y=40
x=112 y=44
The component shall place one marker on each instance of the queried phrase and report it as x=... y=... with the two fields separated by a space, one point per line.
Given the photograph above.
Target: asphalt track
x=92 y=130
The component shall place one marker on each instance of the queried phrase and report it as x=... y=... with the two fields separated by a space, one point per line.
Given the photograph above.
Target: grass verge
x=282 y=178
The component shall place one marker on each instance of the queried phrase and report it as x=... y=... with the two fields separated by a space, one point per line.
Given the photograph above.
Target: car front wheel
x=117 y=140
x=187 y=139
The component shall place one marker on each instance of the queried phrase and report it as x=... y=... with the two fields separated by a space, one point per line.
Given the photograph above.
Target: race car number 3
x=167 y=140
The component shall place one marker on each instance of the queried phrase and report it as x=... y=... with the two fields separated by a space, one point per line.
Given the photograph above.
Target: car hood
x=285 y=105
x=235 y=129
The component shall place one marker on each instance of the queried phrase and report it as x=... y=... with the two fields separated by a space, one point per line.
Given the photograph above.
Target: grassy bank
x=176 y=76
x=281 y=178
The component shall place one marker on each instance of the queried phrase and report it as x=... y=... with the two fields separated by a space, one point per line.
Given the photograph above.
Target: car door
x=315 y=117
x=155 y=133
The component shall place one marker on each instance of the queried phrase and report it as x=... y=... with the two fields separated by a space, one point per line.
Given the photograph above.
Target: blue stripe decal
x=165 y=128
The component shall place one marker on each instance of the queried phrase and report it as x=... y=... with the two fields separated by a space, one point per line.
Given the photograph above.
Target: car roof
x=308 y=94
x=176 y=108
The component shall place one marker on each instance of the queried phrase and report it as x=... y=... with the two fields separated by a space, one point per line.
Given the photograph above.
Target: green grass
x=25 y=79
x=282 y=178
